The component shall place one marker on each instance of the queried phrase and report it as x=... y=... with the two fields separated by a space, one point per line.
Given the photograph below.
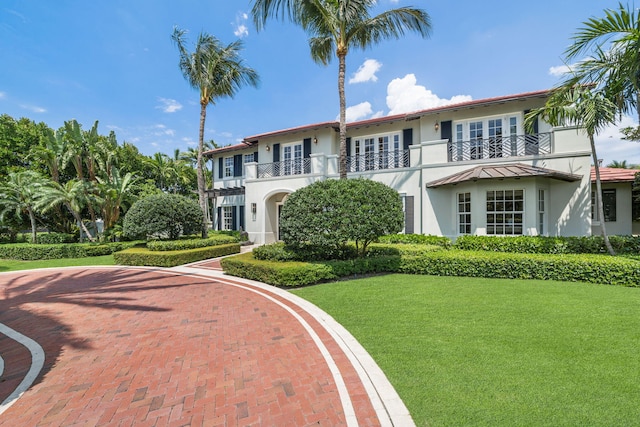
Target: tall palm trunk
x=600 y=205
x=200 y=173
x=343 y=115
x=76 y=215
x=34 y=231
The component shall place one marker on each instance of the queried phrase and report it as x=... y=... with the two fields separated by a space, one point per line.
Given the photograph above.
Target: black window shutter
x=349 y=146
x=219 y=218
x=408 y=215
x=241 y=208
x=220 y=167
x=276 y=152
x=306 y=148
x=234 y=218
x=407 y=138
x=445 y=130
x=237 y=165
x=255 y=156
x=306 y=153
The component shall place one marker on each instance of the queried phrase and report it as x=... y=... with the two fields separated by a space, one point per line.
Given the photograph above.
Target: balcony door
x=292 y=159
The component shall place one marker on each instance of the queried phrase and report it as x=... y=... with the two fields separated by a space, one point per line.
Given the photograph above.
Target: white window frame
x=463 y=211
x=228 y=167
x=542 y=214
x=292 y=158
x=373 y=151
x=498 y=227
x=467 y=131
x=227 y=218
x=249 y=158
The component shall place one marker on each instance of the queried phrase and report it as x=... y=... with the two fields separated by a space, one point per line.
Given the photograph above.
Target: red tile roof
x=614 y=174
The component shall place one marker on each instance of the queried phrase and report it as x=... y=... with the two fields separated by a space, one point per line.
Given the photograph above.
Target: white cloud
x=33 y=108
x=610 y=145
x=360 y=112
x=366 y=72
x=404 y=95
x=560 y=70
x=169 y=105
x=241 y=30
x=3 y=95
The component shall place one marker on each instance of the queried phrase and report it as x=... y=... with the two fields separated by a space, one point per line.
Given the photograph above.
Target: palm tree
x=72 y=195
x=116 y=193
x=612 y=47
x=217 y=71
x=339 y=25
x=586 y=108
x=162 y=168
x=620 y=164
x=20 y=194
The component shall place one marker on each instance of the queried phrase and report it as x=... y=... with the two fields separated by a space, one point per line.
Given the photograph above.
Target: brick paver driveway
x=127 y=346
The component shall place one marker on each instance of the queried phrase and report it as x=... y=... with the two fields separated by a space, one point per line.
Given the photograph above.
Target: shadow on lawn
x=30 y=303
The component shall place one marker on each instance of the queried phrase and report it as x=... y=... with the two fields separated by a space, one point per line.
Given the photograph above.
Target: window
x=495 y=138
x=459 y=142
x=248 y=158
x=292 y=154
x=608 y=205
x=475 y=136
x=378 y=152
x=541 y=228
x=228 y=166
x=505 y=212
x=227 y=217
x=464 y=213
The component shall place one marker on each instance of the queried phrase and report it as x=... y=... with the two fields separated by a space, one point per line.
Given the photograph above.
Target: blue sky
x=114 y=61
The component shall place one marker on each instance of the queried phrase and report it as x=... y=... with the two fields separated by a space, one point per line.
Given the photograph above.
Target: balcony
x=378 y=161
x=499 y=147
x=284 y=168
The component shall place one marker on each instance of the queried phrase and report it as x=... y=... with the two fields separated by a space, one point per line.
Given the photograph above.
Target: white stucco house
x=468 y=168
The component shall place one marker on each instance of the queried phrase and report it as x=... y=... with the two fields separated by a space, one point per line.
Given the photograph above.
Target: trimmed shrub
x=318 y=220
x=30 y=252
x=146 y=257
x=432 y=260
x=419 y=239
x=293 y=273
x=163 y=216
x=176 y=245
x=548 y=245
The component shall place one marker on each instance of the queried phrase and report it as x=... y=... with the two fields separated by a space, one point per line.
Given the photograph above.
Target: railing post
x=251 y=170
x=318 y=164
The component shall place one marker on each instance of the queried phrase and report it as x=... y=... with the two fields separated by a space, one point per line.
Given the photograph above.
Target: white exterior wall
x=623 y=224
x=567 y=204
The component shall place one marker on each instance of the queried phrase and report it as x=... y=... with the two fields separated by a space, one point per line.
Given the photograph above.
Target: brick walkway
x=178 y=347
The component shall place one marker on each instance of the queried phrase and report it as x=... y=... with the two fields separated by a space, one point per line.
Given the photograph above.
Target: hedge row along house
x=468 y=168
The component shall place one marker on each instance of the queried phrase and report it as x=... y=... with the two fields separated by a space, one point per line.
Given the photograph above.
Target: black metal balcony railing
x=378 y=161
x=500 y=146
x=284 y=168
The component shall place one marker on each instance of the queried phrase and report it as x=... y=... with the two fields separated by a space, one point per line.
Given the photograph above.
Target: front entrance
x=273 y=210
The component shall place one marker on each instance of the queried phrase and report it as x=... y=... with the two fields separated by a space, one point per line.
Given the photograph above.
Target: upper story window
x=228 y=167
x=249 y=158
x=383 y=151
x=292 y=159
x=486 y=138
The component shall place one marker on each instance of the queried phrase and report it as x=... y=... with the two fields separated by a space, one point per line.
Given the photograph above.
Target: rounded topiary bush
x=165 y=216
x=319 y=220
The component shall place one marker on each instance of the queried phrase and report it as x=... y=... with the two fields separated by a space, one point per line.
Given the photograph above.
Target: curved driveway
x=183 y=346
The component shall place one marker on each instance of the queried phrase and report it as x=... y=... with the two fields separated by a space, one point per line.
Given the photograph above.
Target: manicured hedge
x=54 y=238
x=29 y=252
x=548 y=245
x=146 y=257
x=419 y=239
x=602 y=269
x=177 y=245
x=570 y=267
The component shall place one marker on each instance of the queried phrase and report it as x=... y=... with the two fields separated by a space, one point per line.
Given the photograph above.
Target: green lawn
x=14 y=265
x=493 y=352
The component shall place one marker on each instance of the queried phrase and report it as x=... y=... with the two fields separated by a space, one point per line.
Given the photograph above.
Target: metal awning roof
x=516 y=170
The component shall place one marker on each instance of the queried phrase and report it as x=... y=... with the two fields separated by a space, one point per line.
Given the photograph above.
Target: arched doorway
x=273 y=208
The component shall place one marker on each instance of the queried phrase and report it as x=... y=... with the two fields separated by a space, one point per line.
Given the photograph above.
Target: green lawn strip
x=496 y=352
x=16 y=265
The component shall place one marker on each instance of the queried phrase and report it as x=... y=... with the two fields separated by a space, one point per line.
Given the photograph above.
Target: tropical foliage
x=70 y=179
